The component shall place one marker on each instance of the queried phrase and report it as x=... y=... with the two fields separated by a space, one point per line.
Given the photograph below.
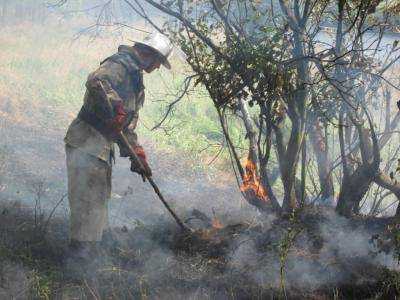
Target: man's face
x=154 y=64
x=150 y=59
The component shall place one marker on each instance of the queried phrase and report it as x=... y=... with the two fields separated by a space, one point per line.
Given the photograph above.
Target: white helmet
x=160 y=44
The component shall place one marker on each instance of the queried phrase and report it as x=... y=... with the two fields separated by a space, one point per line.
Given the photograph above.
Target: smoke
x=15 y=281
x=348 y=248
x=329 y=250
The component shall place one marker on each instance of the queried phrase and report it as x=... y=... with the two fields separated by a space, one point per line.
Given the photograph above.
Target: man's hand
x=116 y=124
x=145 y=171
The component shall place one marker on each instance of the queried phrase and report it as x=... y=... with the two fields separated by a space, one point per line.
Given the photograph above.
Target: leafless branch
x=186 y=85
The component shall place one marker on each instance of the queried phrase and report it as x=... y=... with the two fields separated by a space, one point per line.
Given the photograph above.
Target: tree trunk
x=250 y=131
x=391 y=185
x=354 y=189
x=357 y=184
x=320 y=147
x=287 y=166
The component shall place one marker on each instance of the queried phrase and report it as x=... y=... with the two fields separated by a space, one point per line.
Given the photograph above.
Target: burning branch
x=252 y=188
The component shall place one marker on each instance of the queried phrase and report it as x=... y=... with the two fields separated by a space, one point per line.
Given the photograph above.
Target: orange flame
x=217 y=224
x=251 y=182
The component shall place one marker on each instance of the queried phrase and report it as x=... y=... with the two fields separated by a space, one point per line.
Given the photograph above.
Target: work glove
x=116 y=124
x=135 y=167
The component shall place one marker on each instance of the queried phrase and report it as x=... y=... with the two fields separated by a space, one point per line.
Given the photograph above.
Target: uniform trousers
x=89 y=190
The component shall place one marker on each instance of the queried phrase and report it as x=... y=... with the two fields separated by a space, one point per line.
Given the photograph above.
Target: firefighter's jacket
x=119 y=78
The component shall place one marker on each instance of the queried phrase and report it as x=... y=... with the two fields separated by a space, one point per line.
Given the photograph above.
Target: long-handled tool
x=122 y=138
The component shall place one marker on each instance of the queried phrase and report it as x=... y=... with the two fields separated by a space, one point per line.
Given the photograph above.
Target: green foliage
x=41 y=286
x=191 y=127
x=239 y=68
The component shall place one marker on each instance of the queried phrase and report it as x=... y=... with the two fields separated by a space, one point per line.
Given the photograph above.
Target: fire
x=217 y=224
x=251 y=182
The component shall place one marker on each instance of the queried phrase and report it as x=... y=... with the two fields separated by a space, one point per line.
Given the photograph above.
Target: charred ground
x=314 y=255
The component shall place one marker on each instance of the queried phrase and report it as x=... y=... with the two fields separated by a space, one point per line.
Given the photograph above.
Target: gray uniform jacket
x=119 y=78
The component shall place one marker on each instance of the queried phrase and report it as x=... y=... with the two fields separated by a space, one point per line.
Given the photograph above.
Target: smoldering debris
x=310 y=254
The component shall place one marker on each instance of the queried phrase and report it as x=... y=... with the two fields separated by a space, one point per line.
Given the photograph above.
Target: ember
x=217 y=224
x=251 y=182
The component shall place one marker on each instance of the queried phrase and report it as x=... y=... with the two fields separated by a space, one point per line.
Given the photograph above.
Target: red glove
x=146 y=171
x=116 y=124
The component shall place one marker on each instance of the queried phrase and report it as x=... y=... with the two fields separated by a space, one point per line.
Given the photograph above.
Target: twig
x=53 y=211
x=92 y=292
x=186 y=84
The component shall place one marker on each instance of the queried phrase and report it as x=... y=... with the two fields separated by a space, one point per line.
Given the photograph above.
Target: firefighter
x=113 y=98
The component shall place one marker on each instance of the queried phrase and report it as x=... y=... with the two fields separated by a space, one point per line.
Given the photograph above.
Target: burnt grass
x=159 y=261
